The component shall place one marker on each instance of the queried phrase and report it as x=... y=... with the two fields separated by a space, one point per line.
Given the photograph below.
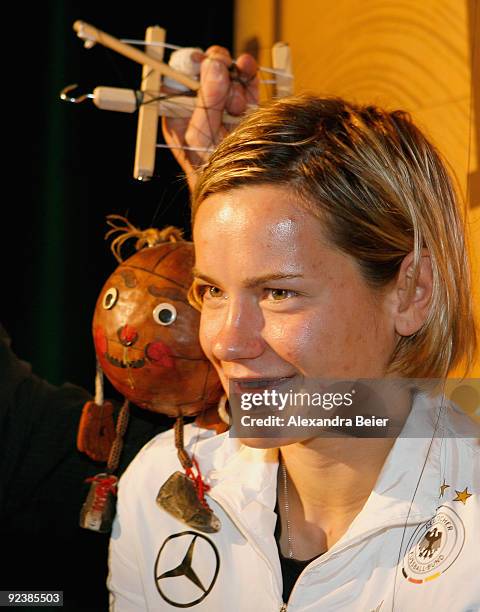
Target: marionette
x=145 y=331
x=145 y=335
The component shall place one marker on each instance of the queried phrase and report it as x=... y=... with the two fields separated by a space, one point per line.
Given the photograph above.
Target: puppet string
x=133 y=41
x=185 y=148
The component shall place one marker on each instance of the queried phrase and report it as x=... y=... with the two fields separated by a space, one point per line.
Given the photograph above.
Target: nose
x=127 y=335
x=239 y=335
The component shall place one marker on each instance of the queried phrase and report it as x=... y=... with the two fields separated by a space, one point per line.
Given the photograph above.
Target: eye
x=278 y=295
x=164 y=314
x=212 y=292
x=205 y=292
x=110 y=298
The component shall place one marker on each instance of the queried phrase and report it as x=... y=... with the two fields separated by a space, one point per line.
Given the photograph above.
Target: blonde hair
x=381 y=190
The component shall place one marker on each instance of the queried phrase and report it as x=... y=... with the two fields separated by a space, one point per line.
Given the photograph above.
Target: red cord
x=105 y=485
x=201 y=486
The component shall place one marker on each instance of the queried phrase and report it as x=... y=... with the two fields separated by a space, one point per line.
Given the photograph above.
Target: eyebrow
x=167 y=292
x=129 y=278
x=250 y=283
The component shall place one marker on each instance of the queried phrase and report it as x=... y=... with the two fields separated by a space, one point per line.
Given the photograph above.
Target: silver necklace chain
x=287 y=508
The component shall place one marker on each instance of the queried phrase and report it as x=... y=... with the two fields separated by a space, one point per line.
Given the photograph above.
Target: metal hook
x=76 y=100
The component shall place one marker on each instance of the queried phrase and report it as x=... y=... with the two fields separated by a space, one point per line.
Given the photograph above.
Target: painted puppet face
x=146 y=333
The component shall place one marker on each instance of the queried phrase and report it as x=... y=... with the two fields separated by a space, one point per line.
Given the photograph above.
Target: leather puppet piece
x=145 y=335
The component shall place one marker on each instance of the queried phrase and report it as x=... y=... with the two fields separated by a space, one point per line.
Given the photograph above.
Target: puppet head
x=145 y=331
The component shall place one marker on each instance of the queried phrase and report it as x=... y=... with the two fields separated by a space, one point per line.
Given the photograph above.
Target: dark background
x=67 y=166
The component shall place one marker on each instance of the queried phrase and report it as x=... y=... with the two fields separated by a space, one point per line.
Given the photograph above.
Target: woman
x=328 y=246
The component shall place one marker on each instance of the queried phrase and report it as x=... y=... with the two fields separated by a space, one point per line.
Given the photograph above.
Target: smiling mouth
x=242 y=385
x=119 y=363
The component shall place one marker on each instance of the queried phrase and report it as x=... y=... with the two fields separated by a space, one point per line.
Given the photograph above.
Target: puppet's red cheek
x=160 y=354
x=100 y=340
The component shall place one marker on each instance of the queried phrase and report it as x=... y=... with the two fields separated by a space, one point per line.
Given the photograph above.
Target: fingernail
x=213 y=70
x=198 y=57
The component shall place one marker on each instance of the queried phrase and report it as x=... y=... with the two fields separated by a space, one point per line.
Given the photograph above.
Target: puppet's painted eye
x=110 y=298
x=164 y=313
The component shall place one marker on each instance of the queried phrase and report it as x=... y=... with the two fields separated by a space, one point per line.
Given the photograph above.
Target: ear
x=412 y=296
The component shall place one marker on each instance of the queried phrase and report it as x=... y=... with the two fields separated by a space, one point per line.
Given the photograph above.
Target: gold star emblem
x=443 y=487
x=462 y=496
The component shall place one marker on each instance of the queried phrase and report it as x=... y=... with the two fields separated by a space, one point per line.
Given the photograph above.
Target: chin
x=267 y=443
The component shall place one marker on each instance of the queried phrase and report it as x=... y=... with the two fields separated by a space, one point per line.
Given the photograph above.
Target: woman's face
x=278 y=300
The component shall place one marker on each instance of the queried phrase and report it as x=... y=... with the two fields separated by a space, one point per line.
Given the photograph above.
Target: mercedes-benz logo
x=182 y=578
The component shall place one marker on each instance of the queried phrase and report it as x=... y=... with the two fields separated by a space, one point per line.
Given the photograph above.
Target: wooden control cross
x=149 y=100
x=145 y=148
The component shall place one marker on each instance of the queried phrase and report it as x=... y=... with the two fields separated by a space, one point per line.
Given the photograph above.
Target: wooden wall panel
x=416 y=55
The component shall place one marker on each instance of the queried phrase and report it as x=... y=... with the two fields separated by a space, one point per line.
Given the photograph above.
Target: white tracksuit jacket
x=397 y=554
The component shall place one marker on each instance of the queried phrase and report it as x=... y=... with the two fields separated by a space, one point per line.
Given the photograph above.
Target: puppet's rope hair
x=145 y=238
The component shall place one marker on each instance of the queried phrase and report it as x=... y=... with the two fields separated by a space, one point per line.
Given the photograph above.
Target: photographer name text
x=299 y=421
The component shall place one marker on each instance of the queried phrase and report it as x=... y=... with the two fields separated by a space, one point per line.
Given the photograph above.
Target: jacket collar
x=244 y=481
x=408 y=486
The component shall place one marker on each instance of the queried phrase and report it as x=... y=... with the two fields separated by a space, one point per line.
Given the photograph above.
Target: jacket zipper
x=243 y=531
x=228 y=511
x=225 y=507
